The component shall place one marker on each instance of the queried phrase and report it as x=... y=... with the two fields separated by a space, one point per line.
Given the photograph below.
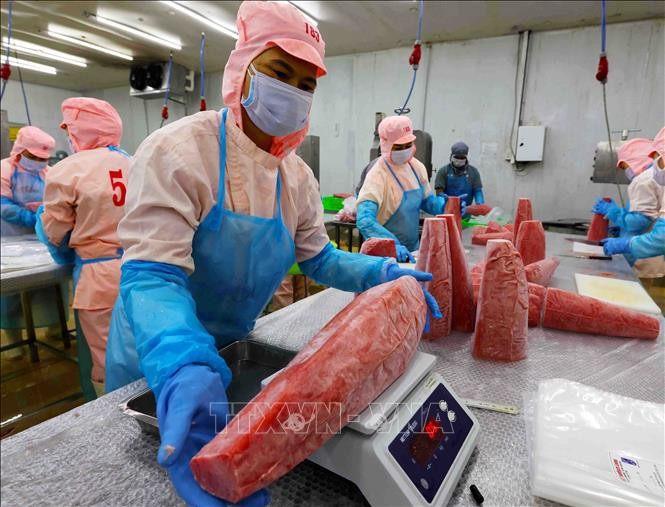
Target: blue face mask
x=32 y=166
x=276 y=108
x=71 y=145
x=630 y=174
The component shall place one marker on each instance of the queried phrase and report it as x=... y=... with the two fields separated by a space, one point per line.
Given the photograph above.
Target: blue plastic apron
x=405 y=222
x=239 y=262
x=26 y=187
x=459 y=185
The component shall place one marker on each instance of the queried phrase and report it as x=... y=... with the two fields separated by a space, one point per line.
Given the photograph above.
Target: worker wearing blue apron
x=459 y=178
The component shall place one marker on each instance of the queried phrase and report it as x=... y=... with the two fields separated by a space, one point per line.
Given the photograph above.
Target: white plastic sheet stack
x=592 y=447
x=23 y=252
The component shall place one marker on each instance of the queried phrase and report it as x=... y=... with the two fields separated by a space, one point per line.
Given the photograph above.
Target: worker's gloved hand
x=462 y=199
x=403 y=254
x=393 y=272
x=613 y=246
x=191 y=407
x=603 y=207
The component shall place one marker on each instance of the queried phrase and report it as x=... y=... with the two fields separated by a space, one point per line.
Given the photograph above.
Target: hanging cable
x=6 y=70
x=25 y=97
x=165 y=107
x=601 y=75
x=202 y=53
x=414 y=58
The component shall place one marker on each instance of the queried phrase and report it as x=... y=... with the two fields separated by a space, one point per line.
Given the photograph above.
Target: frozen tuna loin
x=522 y=213
x=464 y=306
x=541 y=272
x=434 y=257
x=354 y=358
x=379 y=247
x=536 y=300
x=582 y=314
x=478 y=209
x=503 y=306
x=530 y=242
x=453 y=207
x=599 y=225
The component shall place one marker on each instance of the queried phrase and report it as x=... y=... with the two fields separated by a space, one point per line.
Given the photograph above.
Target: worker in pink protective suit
x=83 y=203
x=644 y=202
x=396 y=189
x=219 y=207
x=23 y=174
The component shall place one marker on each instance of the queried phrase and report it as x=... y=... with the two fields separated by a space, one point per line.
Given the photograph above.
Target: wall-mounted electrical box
x=530 y=144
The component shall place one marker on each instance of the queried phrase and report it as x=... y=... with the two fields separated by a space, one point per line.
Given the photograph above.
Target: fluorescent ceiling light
x=138 y=33
x=43 y=52
x=89 y=45
x=28 y=65
x=308 y=16
x=201 y=18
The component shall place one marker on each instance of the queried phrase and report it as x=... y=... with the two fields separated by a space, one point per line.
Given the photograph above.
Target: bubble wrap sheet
x=94 y=455
x=25 y=263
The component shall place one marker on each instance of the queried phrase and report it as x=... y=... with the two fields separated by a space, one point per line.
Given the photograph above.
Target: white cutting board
x=624 y=293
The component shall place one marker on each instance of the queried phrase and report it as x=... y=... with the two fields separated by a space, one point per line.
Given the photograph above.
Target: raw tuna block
x=480 y=236
x=434 y=257
x=476 y=210
x=582 y=314
x=453 y=207
x=510 y=227
x=352 y=360
x=530 y=241
x=537 y=294
x=494 y=227
x=598 y=228
x=541 y=272
x=476 y=278
x=522 y=213
x=503 y=306
x=379 y=247
x=464 y=307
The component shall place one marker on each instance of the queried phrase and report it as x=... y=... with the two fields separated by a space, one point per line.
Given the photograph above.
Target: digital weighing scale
x=410 y=446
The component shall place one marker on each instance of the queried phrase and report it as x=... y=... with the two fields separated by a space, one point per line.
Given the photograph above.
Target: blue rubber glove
x=191 y=408
x=16 y=214
x=613 y=231
x=602 y=207
x=61 y=254
x=393 y=272
x=651 y=244
x=433 y=204
x=367 y=223
x=479 y=196
x=613 y=246
x=403 y=254
x=462 y=200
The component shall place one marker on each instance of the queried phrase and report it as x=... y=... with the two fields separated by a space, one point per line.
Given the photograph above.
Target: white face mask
x=400 y=157
x=458 y=162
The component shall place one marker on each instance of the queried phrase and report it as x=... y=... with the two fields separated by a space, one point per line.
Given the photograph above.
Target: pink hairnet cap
x=91 y=123
x=635 y=153
x=35 y=140
x=395 y=130
x=262 y=25
x=658 y=144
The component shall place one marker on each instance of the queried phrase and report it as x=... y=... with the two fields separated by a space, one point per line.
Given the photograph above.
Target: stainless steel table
x=94 y=455
x=24 y=282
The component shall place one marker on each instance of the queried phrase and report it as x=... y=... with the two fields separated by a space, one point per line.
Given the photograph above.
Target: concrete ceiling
x=348 y=27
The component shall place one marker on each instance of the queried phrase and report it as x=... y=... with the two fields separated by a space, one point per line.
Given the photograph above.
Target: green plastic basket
x=332 y=204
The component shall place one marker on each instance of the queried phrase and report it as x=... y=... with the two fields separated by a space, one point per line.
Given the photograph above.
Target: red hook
x=165 y=113
x=414 y=59
x=5 y=71
x=603 y=68
x=203 y=105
